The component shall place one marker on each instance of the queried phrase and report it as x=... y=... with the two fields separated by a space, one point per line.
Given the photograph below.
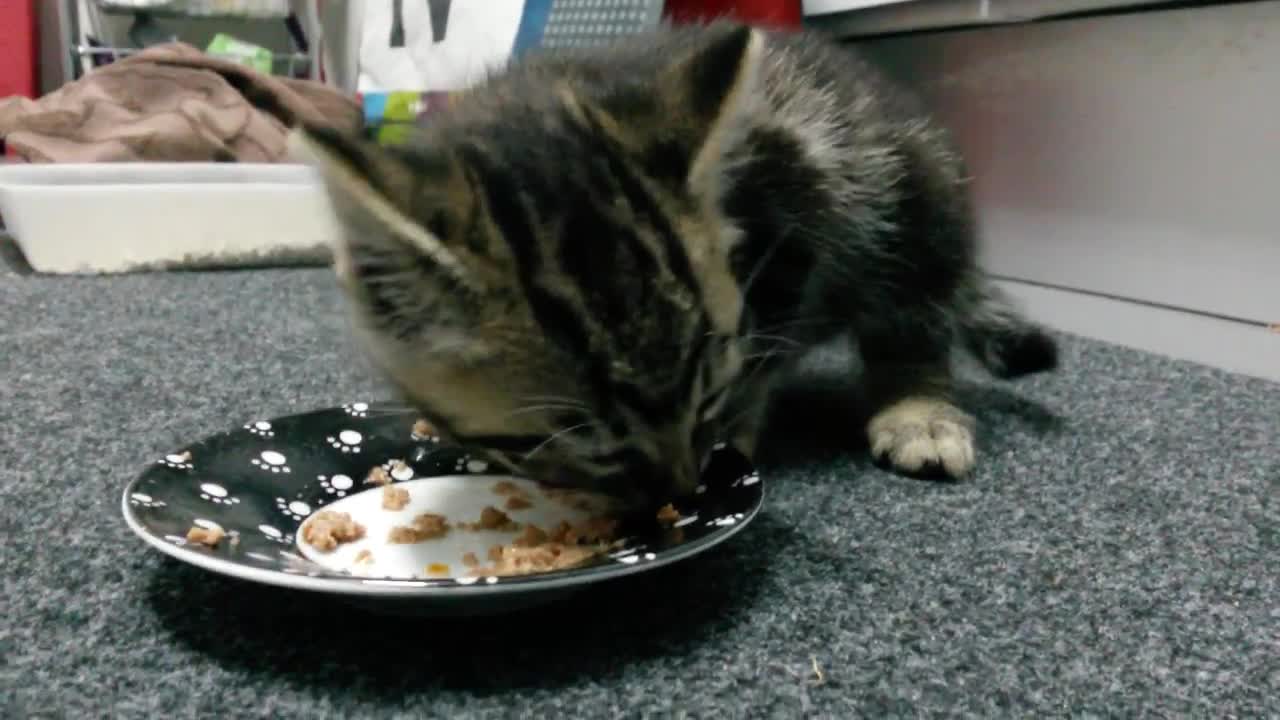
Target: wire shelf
x=285 y=64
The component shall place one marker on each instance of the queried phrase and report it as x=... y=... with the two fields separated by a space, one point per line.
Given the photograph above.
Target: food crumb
x=437 y=569
x=537 y=550
x=364 y=557
x=470 y=560
x=427 y=526
x=512 y=560
x=533 y=535
x=668 y=515
x=328 y=529
x=394 y=498
x=518 y=502
x=205 y=536
x=597 y=529
x=423 y=428
x=491 y=518
x=506 y=487
x=378 y=475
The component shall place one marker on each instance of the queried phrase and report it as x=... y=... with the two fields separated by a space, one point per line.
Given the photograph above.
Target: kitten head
x=543 y=271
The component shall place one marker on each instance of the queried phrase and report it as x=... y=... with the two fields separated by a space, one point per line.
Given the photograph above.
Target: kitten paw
x=921 y=434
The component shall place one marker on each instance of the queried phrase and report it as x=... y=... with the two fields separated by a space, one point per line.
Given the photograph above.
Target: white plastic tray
x=118 y=217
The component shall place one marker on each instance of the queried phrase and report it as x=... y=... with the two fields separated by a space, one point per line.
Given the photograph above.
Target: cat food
x=394 y=498
x=532 y=535
x=516 y=560
x=491 y=518
x=437 y=569
x=668 y=515
x=537 y=550
x=594 y=530
x=209 y=537
x=518 y=502
x=423 y=428
x=378 y=475
x=364 y=557
x=327 y=529
x=427 y=526
x=506 y=487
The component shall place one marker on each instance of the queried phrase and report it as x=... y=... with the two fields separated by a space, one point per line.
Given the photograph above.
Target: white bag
x=476 y=35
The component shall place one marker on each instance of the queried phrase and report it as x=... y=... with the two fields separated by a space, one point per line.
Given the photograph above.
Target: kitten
x=596 y=263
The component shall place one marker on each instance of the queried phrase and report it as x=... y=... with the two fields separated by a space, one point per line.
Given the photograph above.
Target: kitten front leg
x=916 y=428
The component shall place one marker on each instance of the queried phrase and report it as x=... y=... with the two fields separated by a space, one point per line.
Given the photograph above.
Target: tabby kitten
x=595 y=264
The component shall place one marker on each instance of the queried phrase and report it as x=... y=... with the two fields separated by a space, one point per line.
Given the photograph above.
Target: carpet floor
x=1116 y=554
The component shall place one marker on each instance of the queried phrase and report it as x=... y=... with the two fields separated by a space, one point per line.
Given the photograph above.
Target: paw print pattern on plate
x=358 y=409
x=471 y=465
x=261 y=428
x=336 y=485
x=271 y=461
x=398 y=469
x=273 y=534
x=726 y=520
x=178 y=461
x=295 y=509
x=215 y=493
x=348 y=441
x=145 y=500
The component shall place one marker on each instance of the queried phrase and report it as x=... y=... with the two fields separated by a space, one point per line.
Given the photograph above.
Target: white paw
x=917 y=434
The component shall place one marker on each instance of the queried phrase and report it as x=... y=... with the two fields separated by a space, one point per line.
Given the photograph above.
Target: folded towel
x=171 y=103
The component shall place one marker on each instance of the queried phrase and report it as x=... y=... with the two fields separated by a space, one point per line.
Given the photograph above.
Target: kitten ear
x=713 y=91
x=370 y=189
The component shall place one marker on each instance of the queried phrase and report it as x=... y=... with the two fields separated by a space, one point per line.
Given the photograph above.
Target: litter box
x=121 y=217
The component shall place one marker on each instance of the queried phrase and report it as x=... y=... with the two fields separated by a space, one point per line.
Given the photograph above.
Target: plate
x=259 y=484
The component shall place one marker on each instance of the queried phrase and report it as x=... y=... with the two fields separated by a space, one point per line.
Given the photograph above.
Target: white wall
x=1132 y=156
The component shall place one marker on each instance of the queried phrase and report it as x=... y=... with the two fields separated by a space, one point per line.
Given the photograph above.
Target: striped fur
x=597 y=262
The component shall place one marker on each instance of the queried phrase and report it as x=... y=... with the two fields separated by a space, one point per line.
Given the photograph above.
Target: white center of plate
x=460 y=498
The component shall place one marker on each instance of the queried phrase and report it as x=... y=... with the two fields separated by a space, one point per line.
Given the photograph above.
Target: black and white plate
x=259 y=483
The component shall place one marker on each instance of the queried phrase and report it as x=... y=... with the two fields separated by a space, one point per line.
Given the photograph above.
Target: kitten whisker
x=555 y=435
x=541 y=408
x=567 y=401
x=779 y=338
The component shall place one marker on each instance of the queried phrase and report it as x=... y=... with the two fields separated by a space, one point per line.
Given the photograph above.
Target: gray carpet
x=1117 y=553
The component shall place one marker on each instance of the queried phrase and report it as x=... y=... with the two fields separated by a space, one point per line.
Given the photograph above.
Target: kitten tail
x=1006 y=343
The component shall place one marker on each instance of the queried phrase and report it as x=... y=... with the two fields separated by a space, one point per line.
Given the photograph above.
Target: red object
x=17 y=48
x=782 y=14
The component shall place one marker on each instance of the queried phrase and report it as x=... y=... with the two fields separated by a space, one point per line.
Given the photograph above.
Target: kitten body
x=595 y=264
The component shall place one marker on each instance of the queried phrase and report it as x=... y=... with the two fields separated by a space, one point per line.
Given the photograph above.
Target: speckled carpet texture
x=1116 y=554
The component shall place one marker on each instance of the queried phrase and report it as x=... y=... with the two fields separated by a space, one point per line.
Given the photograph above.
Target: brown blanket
x=170 y=103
